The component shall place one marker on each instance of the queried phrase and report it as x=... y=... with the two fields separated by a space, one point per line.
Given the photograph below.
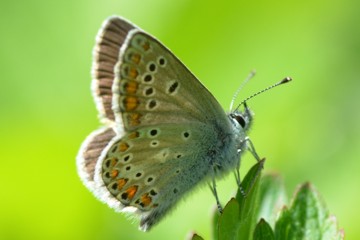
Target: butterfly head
x=243 y=119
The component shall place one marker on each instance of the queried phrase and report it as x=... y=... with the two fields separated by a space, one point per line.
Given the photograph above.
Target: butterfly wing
x=171 y=129
x=90 y=152
x=150 y=80
x=105 y=55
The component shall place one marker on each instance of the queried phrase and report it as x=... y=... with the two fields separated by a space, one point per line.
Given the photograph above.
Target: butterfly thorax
x=225 y=153
x=240 y=123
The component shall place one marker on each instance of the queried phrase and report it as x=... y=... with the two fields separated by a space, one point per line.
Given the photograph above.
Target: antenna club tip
x=286 y=80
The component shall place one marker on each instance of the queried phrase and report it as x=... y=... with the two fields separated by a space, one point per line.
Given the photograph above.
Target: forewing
x=152 y=86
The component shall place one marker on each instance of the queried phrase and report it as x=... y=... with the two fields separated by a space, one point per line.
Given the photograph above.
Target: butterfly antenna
x=285 y=80
x=250 y=76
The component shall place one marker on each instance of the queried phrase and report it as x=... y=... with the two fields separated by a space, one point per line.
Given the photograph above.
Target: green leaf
x=263 y=231
x=237 y=219
x=229 y=221
x=248 y=203
x=215 y=222
x=249 y=181
x=307 y=218
x=283 y=225
x=196 y=237
x=272 y=197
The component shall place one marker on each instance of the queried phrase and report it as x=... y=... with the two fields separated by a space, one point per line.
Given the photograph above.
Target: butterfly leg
x=238 y=179
x=251 y=148
x=213 y=190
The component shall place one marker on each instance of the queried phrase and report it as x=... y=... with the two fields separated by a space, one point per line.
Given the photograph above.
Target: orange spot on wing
x=114 y=173
x=131 y=191
x=134 y=119
x=114 y=161
x=123 y=146
x=131 y=87
x=135 y=58
x=145 y=200
x=129 y=72
x=133 y=73
x=131 y=103
x=133 y=135
x=146 y=46
x=121 y=183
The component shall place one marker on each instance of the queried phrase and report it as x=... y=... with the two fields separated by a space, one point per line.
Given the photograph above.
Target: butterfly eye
x=240 y=120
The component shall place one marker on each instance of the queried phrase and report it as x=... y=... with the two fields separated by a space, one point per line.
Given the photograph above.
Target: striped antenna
x=285 y=80
x=250 y=76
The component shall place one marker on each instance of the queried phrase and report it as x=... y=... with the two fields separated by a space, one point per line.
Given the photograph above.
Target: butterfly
x=164 y=133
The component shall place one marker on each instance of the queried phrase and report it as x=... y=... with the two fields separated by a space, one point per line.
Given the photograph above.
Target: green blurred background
x=308 y=130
